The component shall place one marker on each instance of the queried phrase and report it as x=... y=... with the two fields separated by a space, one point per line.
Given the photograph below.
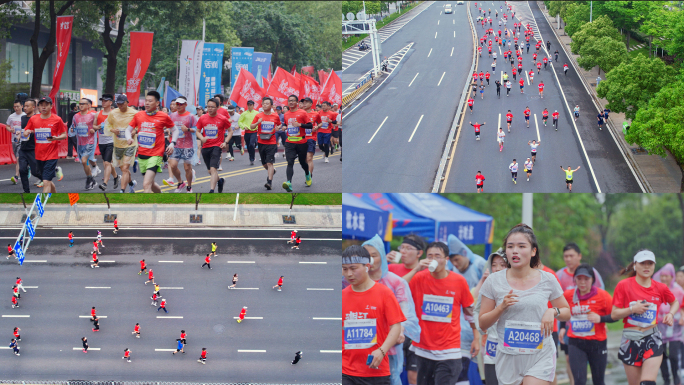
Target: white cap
x=244 y=307
x=295 y=231
x=644 y=255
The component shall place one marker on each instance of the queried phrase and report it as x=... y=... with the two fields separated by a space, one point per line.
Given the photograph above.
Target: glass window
x=68 y=72
x=89 y=72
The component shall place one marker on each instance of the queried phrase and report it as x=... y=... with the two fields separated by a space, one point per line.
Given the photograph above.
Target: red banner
x=309 y=88
x=282 y=85
x=308 y=70
x=64 y=24
x=270 y=73
x=265 y=83
x=332 y=91
x=293 y=70
x=246 y=88
x=138 y=61
x=322 y=76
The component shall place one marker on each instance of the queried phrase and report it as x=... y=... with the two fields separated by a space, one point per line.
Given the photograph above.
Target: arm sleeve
x=607 y=318
x=174 y=133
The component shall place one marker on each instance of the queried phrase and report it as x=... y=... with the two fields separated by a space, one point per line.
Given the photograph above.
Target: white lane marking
x=376 y=131
x=311 y=288
x=107 y=261
x=331 y=351
x=454 y=33
x=89 y=348
x=497 y=130
x=245 y=288
x=417 y=124
x=34 y=260
x=251 y=351
x=5 y=347
x=328 y=318
x=164 y=350
x=169 y=316
x=249 y=317
x=429 y=53
x=30 y=287
x=437 y=22
x=454 y=21
x=98 y=287
x=162 y=238
x=170 y=261
x=241 y=261
x=88 y=316
x=440 y=79
x=537 y=124
x=452 y=51
x=414 y=78
x=500 y=53
x=435 y=35
x=171 y=288
x=527 y=76
x=15 y=316
x=319 y=263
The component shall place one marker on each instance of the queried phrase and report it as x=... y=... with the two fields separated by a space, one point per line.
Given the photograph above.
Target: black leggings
x=674 y=351
x=294 y=151
x=490 y=374
x=581 y=352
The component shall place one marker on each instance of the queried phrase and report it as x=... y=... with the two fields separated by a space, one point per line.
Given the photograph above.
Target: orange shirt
x=151 y=132
x=437 y=304
x=601 y=304
x=368 y=317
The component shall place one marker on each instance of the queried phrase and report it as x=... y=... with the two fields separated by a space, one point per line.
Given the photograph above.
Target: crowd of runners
x=432 y=309
x=155 y=139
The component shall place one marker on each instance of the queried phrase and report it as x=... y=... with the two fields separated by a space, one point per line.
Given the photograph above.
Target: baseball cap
x=121 y=98
x=107 y=97
x=585 y=272
x=250 y=102
x=307 y=99
x=644 y=255
x=45 y=99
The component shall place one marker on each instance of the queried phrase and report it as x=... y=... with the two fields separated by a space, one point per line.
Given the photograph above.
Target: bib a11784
x=360 y=334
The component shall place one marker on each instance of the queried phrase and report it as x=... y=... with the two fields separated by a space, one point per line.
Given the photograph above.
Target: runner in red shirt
x=311 y=133
x=136 y=330
x=95 y=261
x=546 y=61
x=182 y=337
x=522 y=83
x=295 y=146
x=279 y=285
x=487 y=75
x=545 y=113
x=565 y=69
x=470 y=104
x=520 y=68
x=371 y=321
x=10 y=250
x=527 y=115
x=150 y=277
x=297 y=242
x=211 y=129
x=555 y=119
x=479 y=50
x=539 y=64
x=15 y=303
x=481 y=78
x=207 y=261
x=127 y=354
x=479 y=181
x=143 y=267
x=48 y=129
x=203 y=356
x=93 y=313
x=490 y=51
x=509 y=118
x=242 y=314
x=637 y=300
x=477 y=129
x=116 y=226
x=541 y=93
x=268 y=123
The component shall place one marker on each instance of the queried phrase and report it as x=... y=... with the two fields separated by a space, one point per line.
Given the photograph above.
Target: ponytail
x=629 y=271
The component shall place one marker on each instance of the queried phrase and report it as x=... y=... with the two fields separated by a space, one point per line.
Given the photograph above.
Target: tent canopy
x=404 y=222
x=362 y=220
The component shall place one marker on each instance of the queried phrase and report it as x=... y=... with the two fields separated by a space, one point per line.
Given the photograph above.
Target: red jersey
x=151 y=132
x=481 y=75
x=44 y=128
x=545 y=113
x=163 y=302
x=477 y=127
x=94 y=256
x=555 y=115
x=314 y=119
x=519 y=65
x=509 y=117
x=293 y=234
x=527 y=112
x=150 y=275
x=479 y=49
x=16 y=334
x=204 y=354
x=298 y=241
x=71 y=236
x=296 y=134
x=16 y=290
x=538 y=64
x=9 y=248
x=479 y=179
x=127 y=353
x=142 y=265
x=628 y=291
x=280 y=281
x=116 y=222
x=213 y=128
x=475 y=75
x=268 y=126
x=487 y=75
x=92 y=313
x=534 y=56
x=137 y=328
x=531 y=74
x=182 y=336
x=242 y=313
x=470 y=102
x=18 y=281
x=522 y=82
x=490 y=43
x=579 y=326
x=207 y=259
x=14 y=300
x=541 y=86
x=565 y=66
x=546 y=60
x=490 y=49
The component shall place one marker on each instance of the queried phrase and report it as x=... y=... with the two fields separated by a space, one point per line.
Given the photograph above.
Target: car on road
x=459 y=3
x=447 y=9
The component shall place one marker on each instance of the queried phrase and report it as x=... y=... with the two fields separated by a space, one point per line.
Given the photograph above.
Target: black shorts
x=106 y=151
x=545 y=117
x=465 y=366
x=534 y=154
x=95 y=262
x=353 y=380
x=526 y=117
x=568 y=181
x=336 y=133
x=529 y=171
x=634 y=353
x=49 y=168
x=267 y=153
x=11 y=252
x=211 y=156
x=480 y=185
x=514 y=174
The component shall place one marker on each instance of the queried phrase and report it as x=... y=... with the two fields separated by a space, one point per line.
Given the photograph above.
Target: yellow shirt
x=118 y=120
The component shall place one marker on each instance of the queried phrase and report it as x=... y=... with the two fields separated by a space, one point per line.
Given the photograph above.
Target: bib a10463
x=437 y=308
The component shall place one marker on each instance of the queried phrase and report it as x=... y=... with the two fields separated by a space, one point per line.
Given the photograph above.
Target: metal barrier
x=365 y=84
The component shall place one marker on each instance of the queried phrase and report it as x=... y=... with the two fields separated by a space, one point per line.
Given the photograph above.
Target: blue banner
x=240 y=57
x=260 y=66
x=170 y=95
x=212 y=64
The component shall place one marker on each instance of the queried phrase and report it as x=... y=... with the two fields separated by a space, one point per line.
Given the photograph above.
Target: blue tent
x=404 y=222
x=362 y=220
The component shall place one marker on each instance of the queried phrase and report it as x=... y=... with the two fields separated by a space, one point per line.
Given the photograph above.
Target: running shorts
x=527 y=118
x=534 y=154
x=184 y=154
x=85 y=150
x=514 y=174
x=528 y=170
x=211 y=156
x=323 y=138
x=15 y=148
x=106 y=151
x=353 y=380
x=311 y=146
x=511 y=369
x=480 y=185
x=568 y=181
x=123 y=156
x=577 y=114
x=633 y=353
x=49 y=168
x=152 y=163
x=267 y=152
x=336 y=133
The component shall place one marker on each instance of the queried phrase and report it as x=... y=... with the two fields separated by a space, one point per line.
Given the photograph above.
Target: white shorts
x=511 y=369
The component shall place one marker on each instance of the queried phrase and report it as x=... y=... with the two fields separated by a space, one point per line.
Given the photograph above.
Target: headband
x=413 y=243
x=355 y=259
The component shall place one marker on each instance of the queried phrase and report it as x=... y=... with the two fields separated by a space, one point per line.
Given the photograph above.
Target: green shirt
x=246 y=119
x=568 y=174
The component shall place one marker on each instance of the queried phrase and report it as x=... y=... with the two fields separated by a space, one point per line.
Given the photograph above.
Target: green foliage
x=10 y=13
x=604 y=52
x=622 y=13
x=600 y=27
x=675 y=36
x=351 y=6
x=629 y=86
x=576 y=16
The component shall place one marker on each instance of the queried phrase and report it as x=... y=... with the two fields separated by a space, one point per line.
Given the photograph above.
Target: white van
x=447 y=8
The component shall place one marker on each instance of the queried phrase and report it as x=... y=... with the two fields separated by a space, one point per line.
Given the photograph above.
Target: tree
x=39 y=61
x=11 y=14
x=654 y=20
x=577 y=15
x=600 y=27
x=603 y=52
x=629 y=86
x=660 y=124
x=351 y=6
x=112 y=48
x=675 y=36
x=622 y=13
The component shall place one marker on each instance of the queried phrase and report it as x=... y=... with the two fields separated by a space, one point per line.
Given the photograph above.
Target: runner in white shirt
x=528 y=168
x=14 y=126
x=533 y=145
x=236 y=139
x=514 y=171
x=500 y=138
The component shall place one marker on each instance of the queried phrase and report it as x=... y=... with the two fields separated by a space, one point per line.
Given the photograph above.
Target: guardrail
x=360 y=88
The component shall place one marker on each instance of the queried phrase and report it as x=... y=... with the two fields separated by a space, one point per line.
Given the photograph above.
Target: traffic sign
x=39 y=205
x=29 y=228
x=19 y=252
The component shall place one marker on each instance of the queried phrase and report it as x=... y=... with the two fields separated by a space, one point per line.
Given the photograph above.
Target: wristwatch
x=174 y=142
x=557 y=311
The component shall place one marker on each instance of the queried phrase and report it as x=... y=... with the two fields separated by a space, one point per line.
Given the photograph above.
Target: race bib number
x=42 y=134
x=308 y=131
x=181 y=134
x=146 y=139
x=324 y=125
x=122 y=134
x=437 y=308
x=267 y=127
x=647 y=319
x=211 y=132
x=82 y=129
x=490 y=348
x=292 y=131
x=523 y=337
x=360 y=334
x=581 y=326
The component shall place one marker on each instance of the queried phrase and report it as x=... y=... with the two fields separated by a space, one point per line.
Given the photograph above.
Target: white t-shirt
x=513 y=167
x=534 y=146
x=529 y=165
x=501 y=136
x=14 y=122
x=234 y=123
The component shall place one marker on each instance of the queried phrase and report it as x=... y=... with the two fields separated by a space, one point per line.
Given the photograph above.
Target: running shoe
x=103 y=186
x=220 y=168
x=230 y=159
x=287 y=186
x=169 y=182
x=76 y=160
x=188 y=189
x=325 y=159
x=135 y=166
x=131 y=189
x=308 y=180
x=251 y=163
x=96 y=171
x=268 y=186
x=116 y=181
x=60 y=174
x=29 y=172
x=221 y=181
x=180 y=187
x=90 y=183
x=242 y=151
x=228 y=155
x=39 y=184
x=14 y=180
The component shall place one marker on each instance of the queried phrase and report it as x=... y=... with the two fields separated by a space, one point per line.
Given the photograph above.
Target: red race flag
x=308 y=70
x=265 y=82
x=282 y=85
x=293 y=70
x=270 y=73
x=332 y=91
x=246 y=88
x=64 y=24
x=309 y=88
x=138 y=61
x=322 y=76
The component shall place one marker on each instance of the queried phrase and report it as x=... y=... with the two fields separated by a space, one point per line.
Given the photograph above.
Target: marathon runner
x=500 y=138
x=528 y=168
x=311 y=134
x=48 y=129
x=27 y=149
x=14 y=126
x=479 y=181
x=555 y=119
x=477 y=129
x=106 y=142
x=545 y=116
x=541 y=89
x=236 y=139
x=514 y=171
x=533 y=145
x=328 y=119
x=211 y=130
x=245 y=121
x=267 y=123
x=509 y=119
x=186 y=125
x=527 y=116
x=124 y=154
x=568 y=176
x=84 y=127
x=296 y=146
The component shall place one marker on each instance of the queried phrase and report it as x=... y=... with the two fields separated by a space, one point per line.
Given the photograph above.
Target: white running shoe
x=326 y=159
x=97 y=171
x=131 y=189
x=220 y=168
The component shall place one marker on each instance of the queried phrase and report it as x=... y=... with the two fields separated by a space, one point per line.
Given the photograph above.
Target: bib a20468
x=523 y=337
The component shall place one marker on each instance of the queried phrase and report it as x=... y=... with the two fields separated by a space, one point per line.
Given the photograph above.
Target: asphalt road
x=63 y=293
x=408 y=117
x=239 y=176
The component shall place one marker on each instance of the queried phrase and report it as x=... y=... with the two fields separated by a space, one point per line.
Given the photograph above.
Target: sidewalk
x=318 y=217
x=659 y=175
